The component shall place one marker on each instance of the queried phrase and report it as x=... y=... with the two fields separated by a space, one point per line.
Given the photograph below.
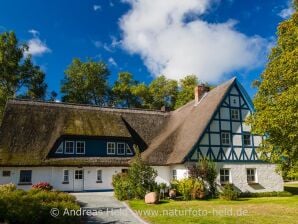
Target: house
x=80 y=147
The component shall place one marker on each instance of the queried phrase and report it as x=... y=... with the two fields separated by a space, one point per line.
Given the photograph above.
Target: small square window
x=174 y=174
x=251 y=175
x=246 y=139
x=80 y=147
x=69 y=147
x=26 y=176
x=120 y=148
x=225 y=138
x=6 y=173
x=224 y=175
x=111 y=148
x=99 y=176
x=235 y=114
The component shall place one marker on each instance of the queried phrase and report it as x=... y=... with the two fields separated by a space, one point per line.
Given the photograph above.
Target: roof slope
x=30 y=129
x=185 y=127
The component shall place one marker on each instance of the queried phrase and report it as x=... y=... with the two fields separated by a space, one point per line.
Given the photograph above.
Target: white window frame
x=73 y=148
x=80 y=153
x=233 y=114
x=224 y=138
x=60 y=149
x=98 y=180
x=65 y=180
x=246 y=134
x=128 y=148
x=225 y=175
x=174 y=174
x=114 y=144
x=252 y=175
x=120 y=143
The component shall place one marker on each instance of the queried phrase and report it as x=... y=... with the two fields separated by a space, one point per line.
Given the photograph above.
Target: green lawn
x=246 y=210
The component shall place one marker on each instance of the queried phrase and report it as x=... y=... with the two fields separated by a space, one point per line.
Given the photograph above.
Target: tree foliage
x=186 y=92
x=85 y=82
x=276 y=101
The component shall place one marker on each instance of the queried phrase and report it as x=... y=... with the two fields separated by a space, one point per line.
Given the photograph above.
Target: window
x=111 y=148
x=224 y=175
x=120 y=148
x=235 y=114
x=69 y=147
x=251 y=175
x=78 y=174
x=6 y=173
x=128 y=150
x=80 y=147
x=246 y=139
x=124 y=170
x=25 y=176
x=225 y=138
x=174 y=174
x=60 y=149
x=65 y=176
x=99 y=176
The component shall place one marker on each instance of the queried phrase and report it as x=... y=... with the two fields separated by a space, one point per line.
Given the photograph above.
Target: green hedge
x=34 y=206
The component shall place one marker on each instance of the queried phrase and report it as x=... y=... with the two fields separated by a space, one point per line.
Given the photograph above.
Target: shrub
x=229 y=193
x=207 y=172
x=122 y=188
x=7 y=188
x=45 y=186
x=190 y=188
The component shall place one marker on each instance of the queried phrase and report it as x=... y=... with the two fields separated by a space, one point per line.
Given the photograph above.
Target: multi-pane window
x=66 y=176
x=111 y=148
x=225 y=138
x=99 y=176
x=128 y=150
x=251 y=175
x=246 y=139
x=80 y=147
x=174 y=174
x=224 y=175
x=6 y=173
x=120 y=148
x=25 y=176
x=69 y=147
x=60 y=148
x=78 y=174
x=235 y=114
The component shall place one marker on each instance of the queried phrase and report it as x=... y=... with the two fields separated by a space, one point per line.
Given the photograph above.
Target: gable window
x=251 y=175
x=6 y=173
x=111 y=148
x=224 y=175
x=25 y=176
x=128 y=150
x=60 y=149
x=99 y=176
x=174 y=174
x=65 y=176
x=80 y=147
x=69 y=147
x=225 y=138
x=120 y=148
x=235 y=114
x=246 y=139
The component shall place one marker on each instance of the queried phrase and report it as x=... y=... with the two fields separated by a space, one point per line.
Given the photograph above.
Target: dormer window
x=60 y=149
x=128 y=150
x=235 y=114
x=111 y=148
x=69 y=147
x=80 y=147
x=120 y=148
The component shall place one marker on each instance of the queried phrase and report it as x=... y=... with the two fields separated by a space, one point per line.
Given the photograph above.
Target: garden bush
x=122 y=187
x=45 y=186
x=229 y=193
x=190 y=188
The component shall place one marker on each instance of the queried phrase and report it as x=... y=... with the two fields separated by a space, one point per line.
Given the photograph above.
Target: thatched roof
x=30 y=129
x=184 y=128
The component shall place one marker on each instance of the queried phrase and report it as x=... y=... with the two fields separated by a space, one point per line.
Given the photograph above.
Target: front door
x=78 y=184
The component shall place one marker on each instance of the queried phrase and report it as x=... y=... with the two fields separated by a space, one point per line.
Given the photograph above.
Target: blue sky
x=210 y=38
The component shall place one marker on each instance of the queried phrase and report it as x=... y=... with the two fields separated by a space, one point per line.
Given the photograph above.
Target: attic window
x=225 y=138
x=80 y=147
x=111 y=148
x=128 y=150
x=69 y=147
x=60 y=149
x=120 y=148
x=235 y=114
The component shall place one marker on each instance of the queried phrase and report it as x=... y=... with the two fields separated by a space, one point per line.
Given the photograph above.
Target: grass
x=265 y=210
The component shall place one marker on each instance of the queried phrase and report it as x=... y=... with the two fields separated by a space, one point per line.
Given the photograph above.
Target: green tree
x=276 y=101
x=186 y=91
x=163 y=92
x=85 y=82
x=19 y=77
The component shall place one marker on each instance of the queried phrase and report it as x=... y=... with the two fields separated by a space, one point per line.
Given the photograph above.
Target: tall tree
x=164 y=92
x=85 y=82
x=18 y=76
x=276 y=101
x=186 y=90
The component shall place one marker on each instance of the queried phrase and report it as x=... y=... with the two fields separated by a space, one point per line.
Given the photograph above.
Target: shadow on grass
x=292 y=189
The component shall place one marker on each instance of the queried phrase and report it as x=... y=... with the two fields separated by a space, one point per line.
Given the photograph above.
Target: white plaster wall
x=182 y=171
x=268 y=179
x=164 y=174
x=224 y=113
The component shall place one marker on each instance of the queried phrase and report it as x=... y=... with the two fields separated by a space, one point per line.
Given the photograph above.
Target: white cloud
x=287 y=12
x=157 y=31
x=96 y=7
x=36 y=47
x=34 y=32
x=112 y=62
x=113 y=45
